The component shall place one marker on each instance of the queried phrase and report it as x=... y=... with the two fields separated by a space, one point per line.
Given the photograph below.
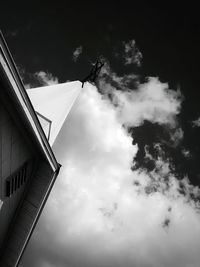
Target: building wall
x=14 y=152
x=27 y=216
x=21 y=141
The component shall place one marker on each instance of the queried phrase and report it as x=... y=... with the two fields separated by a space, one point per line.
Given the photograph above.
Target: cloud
x=187 y=153
x=13 y=33
x=38 y=79
x=109 y=81
x=46 y=78
x=196 y=123
x=176 y=135
x=132 y=55
x=77 y=52
x=102 y=211
x=152 y=101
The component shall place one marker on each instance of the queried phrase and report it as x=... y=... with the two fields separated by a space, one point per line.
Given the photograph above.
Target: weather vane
x=93 y=73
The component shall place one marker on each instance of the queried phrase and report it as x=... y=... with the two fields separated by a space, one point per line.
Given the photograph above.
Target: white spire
x=54 y=102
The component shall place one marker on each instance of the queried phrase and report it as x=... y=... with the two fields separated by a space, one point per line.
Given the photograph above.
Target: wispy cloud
x=46 y=78
x=132 y=54
x=102 y=211
x=186 y=153
x=77 y=52
x=152 y=100
x=196 y=123
x=40 y=78
x=13 y=33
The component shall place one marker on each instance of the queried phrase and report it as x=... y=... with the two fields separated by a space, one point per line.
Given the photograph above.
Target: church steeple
x=54 y=103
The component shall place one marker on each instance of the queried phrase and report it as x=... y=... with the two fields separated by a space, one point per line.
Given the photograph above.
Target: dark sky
x=42 y=37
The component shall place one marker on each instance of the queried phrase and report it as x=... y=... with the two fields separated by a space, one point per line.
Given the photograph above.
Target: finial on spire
x=94 y=72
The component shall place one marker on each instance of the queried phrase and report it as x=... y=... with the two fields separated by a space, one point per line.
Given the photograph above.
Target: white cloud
x=13 y=33
x=186 y=153
x=46 y=78
x=108 y=76
x=176 y=135
x=40 y=78
x=196 y=123
x=77 y=52
x=97 y=215
x=152 y=101
x=132 y=55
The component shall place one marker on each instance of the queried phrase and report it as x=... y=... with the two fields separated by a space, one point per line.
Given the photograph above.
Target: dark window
x=8 y=187
x=16 y=180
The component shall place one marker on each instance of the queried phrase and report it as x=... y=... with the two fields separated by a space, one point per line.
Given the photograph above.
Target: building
x=28 y=166
x=53 y=104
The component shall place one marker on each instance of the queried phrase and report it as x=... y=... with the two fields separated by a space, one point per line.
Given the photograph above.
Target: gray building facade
x=28 y=167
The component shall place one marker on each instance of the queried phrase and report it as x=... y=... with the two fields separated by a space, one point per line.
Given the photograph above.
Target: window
x=45 y=123
x=16 y=180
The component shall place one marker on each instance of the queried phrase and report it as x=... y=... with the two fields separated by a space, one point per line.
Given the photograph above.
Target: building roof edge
x=19 y=90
